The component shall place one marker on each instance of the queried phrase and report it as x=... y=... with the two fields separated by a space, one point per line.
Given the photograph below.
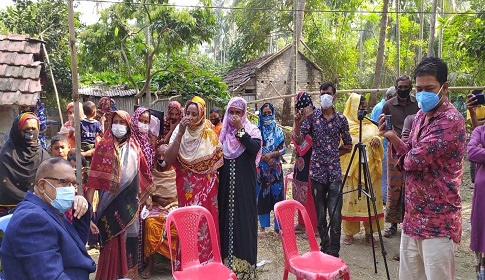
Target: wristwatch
x=240 y=133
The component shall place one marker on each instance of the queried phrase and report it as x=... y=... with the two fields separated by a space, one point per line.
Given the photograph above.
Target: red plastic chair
x=186 y=220
x=313 y=264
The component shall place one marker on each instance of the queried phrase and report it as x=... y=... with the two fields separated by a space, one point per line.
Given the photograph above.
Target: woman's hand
x=236 y=122
x=149 y=203
x=94 y=228
x=183 y=125
x=375 y=142
x=80 y=206
x=299 y=117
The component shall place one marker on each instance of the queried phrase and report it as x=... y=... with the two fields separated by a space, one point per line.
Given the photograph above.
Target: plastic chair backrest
x=285 y=214
x=186 y=221
x=4 y=222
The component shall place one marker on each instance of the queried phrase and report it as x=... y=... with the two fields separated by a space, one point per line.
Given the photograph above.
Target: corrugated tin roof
x=19 y=70
x=111 y=92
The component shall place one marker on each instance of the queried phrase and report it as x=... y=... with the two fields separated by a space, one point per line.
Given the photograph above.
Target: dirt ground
x=357 y=256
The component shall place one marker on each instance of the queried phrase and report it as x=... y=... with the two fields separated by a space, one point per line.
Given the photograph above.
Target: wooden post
x=53 y=81
x=75 y=94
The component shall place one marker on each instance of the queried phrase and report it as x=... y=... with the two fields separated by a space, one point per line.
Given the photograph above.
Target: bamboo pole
x=75 y=94
x=53 y=80
x=373 y=90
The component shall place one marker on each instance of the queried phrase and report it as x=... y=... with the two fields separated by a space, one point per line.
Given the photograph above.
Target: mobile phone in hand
x=480 y=98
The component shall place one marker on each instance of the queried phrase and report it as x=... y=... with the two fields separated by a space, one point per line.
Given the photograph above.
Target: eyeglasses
x=63 y=181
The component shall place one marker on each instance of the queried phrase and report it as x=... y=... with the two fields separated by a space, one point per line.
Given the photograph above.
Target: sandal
x=369 y=240
x=396 y=257
x=348 y=240
x=390 y=232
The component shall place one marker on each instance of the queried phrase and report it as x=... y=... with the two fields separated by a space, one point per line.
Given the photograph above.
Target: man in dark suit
x=39 y=242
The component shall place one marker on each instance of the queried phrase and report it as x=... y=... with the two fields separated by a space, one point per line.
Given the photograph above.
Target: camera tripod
x=367 y=190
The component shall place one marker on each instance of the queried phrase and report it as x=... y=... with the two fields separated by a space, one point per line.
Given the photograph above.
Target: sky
x=88 y=9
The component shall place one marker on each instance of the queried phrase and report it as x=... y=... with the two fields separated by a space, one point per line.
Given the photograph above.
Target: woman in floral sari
x=122 y=176
x=354 y=210
x=270 y=172
x=196 y=153
x=301 y=188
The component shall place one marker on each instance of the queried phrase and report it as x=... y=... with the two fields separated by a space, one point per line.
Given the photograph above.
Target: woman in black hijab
x=19 y=160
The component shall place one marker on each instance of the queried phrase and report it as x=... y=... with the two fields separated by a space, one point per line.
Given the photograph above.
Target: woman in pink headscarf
x=238 y=215
x=140 y=122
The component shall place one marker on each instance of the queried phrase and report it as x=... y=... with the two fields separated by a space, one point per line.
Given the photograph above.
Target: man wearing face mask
x=40 y=243
x=432 y=160
x=327 y=128
x=398 y=107
x=19 y=160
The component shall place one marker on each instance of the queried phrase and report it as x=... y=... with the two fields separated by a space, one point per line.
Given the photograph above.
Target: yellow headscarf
x=200 y=150
x=351 y=205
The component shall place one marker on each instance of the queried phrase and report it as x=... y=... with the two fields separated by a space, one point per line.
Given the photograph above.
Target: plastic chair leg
x=285 y=274
x=347 y=276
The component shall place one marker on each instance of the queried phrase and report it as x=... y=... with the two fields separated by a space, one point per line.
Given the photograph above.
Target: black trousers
x=326 y=198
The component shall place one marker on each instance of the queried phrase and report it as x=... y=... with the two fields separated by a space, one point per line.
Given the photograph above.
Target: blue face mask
x=427 y=100
x=64 y=198
x=266 y=120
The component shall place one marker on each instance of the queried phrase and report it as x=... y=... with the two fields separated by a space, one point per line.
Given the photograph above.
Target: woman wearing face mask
x=164 y=201
x=19 y=160
x=238 y=213
x=122 y=176
x=140 y=122
x=196 y=154
x=270 y=173
x=301 y=188
x=215 y=116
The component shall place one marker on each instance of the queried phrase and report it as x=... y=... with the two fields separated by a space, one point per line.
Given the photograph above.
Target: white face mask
x=143 y=128
x=118 y=130
x=326 y=101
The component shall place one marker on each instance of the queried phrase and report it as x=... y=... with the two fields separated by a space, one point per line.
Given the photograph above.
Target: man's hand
x=236 y=122
x=80 y=206
x=471 y=103
x=382 y=128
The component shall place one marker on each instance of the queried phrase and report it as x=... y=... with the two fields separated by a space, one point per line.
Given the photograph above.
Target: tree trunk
x=380 y=53
x=291 y=88
x=432 y=28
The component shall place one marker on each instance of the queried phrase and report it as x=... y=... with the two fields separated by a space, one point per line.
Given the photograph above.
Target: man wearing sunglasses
x=39 y=242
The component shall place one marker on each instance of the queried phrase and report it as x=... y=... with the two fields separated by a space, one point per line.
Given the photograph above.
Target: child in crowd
x=90 y=130
x=60 y=146
x=216 y=119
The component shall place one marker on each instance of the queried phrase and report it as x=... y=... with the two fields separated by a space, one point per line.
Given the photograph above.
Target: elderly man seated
x=40 y=243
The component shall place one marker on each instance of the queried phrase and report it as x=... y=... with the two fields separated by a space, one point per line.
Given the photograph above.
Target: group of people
x=233 y=168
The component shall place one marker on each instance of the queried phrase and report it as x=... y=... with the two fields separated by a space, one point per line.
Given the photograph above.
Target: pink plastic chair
x=187 y=220
x=313 y=264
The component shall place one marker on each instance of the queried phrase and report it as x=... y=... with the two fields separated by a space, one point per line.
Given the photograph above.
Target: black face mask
x=31 y=135
x=403 y=93
x=216 y=121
